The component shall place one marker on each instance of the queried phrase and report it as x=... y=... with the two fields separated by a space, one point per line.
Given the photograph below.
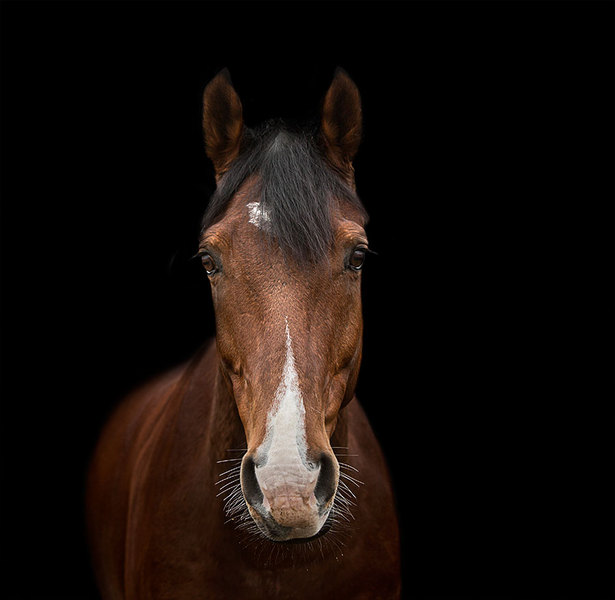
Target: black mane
x=296 y=187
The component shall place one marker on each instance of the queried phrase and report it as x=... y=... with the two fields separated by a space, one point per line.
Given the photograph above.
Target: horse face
x=288 y=328
x=289 y=339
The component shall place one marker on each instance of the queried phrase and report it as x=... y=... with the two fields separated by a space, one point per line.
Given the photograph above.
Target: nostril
x=327 y=480
x=249 y=483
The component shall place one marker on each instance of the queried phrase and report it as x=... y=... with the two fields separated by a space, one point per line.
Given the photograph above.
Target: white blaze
x=284 y=448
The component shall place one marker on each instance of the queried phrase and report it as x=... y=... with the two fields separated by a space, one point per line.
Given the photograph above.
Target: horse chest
x=180 y=547
x=359 y=573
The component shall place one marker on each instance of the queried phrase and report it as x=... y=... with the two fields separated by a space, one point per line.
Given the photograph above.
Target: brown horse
x=251 y=471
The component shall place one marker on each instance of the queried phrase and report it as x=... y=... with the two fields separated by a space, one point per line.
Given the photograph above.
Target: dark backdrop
x=486 y=168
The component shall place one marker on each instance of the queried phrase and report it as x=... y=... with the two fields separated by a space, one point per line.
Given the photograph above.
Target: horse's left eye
x=357 y=259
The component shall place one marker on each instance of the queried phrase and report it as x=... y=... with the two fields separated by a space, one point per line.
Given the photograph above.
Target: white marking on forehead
x=284 y=446
x=259 y=217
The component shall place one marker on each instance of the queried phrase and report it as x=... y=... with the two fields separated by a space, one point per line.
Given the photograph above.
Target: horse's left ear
x=341 y=120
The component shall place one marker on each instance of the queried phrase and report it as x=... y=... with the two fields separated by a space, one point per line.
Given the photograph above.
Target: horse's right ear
x=222 y=122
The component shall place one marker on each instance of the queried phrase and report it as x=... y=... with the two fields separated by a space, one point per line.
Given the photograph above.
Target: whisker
x=352 y=479
x=234 y=469
x=228 y=477
x=347 y=466
x=344 y=487
x=226 y=486
x=346 y=502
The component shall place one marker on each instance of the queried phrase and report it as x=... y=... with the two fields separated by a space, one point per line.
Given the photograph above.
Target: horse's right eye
x=208 y=264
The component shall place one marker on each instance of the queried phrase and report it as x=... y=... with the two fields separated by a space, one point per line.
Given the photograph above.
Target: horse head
x=283 y=245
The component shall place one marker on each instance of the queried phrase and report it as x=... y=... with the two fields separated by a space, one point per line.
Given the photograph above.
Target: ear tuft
x=341 y=120
x=222 y=121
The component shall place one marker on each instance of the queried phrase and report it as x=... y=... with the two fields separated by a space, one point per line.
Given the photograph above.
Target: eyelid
x=206 y=250
x=363 y=246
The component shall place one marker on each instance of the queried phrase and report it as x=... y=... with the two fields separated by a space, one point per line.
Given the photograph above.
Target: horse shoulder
x=119 y=473
x=376 y=551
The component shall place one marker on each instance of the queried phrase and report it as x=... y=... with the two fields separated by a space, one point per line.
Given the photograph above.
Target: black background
x=486 y=168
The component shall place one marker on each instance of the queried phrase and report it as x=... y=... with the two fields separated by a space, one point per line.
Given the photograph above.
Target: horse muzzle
x=289 y=499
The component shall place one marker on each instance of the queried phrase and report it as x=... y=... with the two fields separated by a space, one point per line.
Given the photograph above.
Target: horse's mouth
x=323 y=530
x=282 y=534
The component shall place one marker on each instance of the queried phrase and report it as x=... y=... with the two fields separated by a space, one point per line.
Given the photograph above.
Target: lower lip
x=323 y=530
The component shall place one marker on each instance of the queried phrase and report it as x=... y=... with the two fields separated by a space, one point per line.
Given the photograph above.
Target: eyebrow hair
x=295 y=186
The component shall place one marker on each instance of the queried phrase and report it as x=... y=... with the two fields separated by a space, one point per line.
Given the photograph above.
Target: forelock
x=295 y=187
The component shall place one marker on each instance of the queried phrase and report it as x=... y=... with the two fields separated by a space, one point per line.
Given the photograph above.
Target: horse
x=251 y=471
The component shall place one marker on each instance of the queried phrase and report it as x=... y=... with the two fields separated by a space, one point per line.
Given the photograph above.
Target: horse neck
x=202 y=423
